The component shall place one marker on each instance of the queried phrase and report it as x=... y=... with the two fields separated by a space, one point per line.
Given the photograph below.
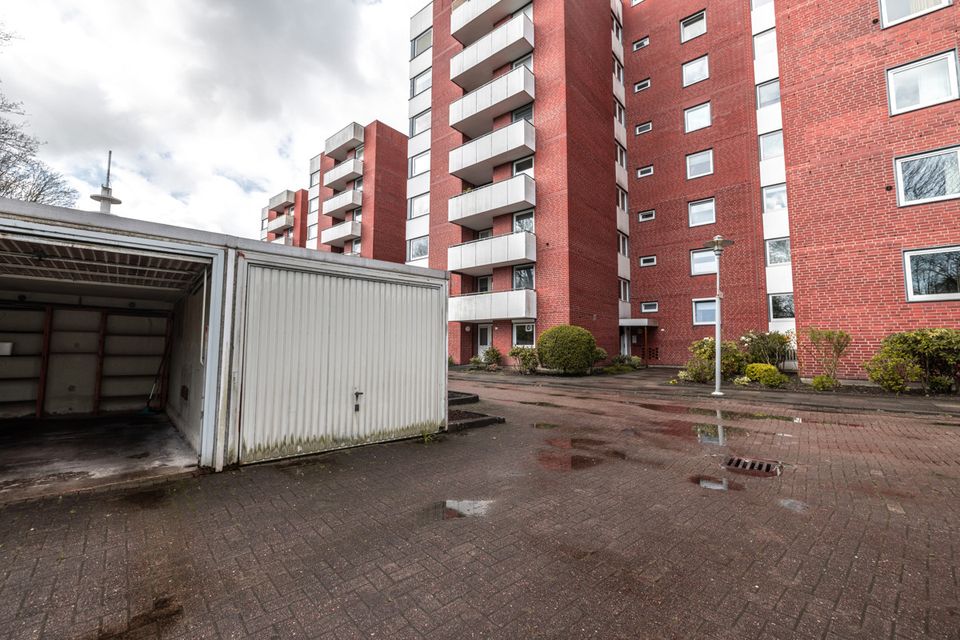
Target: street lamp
x=718 y=244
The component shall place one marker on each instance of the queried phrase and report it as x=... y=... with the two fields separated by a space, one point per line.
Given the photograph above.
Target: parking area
x=591 y=513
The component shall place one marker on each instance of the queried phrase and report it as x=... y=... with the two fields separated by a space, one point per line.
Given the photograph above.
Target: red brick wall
x=325 y=222
x=735 y=182
x=383 y=227
x=847 y=232
x=300 y=218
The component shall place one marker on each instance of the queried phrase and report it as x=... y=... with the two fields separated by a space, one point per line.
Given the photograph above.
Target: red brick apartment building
x=356 y=203
x=841 y=197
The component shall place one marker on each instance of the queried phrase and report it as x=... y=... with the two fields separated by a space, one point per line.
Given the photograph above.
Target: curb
x=473 y=423
x=455 y=398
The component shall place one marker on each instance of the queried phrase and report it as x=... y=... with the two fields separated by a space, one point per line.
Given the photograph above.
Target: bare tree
x=22 y=175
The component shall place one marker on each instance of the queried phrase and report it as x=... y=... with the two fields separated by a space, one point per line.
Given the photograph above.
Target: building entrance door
x=484 y=338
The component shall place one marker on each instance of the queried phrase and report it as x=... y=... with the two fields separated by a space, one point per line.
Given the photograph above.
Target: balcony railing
x=475 y=65
x=340 y=234
x=281 y=200
x=476 y=209
x=280 y=223
x=520 y=304
x=343 y=174
x=473 y=114
x=350 y=137
x=475 y=160
x=340 y=204
x=473 y=18
x=483 y=256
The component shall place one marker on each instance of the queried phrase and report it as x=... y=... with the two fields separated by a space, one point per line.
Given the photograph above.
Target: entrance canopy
x=638 y=322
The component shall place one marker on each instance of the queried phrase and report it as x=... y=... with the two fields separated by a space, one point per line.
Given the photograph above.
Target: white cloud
x=210 y=107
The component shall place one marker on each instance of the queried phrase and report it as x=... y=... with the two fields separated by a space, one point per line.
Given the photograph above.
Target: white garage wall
x=185 y=397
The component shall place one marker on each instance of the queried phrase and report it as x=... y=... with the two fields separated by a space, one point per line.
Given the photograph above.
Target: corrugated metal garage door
x=312 y=341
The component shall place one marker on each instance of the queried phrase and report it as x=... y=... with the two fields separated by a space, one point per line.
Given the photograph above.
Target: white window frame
x=695 y=252
x=700 y=175
x=690 y=206
x=413 y=82
x=514 y=332
x=908 y=275
x=765 y=34
x=617 y=70
x=641 y=43
x=765 y=136
x=413 y=164
x=621 y=155
x=533 y=220
x=775 y=81
x=885 y=22
x=429 y=116
x=413 y=43
x=766 y=250
x=649 y=307
x=623 y=199
x=763 y=197
x=770 y=297
x=642 y=85
x=645 y=172
x=898 y=172
x=410 y=215
x=619 y=112
x=624 y=293
x=643 y=127
x=623 y=244
x=533 y=167
x=950 y=56
x=426 y=255
x=683 y=68
x=522 y=62
x=488 y=280
x=647 y=216
x=647 y=261
x=694 y=310
x=693 y=18
x=690 y=110
x=513 y=276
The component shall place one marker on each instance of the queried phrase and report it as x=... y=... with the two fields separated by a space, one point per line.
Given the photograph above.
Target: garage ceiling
x=50 y=264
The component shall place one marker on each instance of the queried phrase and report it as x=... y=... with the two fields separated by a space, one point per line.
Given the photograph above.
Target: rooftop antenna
x=105 y=197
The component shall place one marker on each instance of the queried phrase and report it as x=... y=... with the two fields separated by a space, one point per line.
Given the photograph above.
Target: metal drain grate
x=746 y=466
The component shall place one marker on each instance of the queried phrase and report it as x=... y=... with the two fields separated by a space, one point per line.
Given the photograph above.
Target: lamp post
x=718 y=244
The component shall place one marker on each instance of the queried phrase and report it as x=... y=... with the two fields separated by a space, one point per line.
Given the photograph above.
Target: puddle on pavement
x=793 y=505
x=715 y=484
x=720 y=414
x=541 y=403
x=565 y=461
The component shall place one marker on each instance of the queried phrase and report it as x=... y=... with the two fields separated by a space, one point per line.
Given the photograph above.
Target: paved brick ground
x=597 y=526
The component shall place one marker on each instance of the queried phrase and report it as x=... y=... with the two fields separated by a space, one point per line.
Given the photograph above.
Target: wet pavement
x=591 y=513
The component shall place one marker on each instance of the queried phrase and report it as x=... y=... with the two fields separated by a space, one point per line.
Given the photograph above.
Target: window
x=314 y=205
x=646 y=216
x=617 y=29
x=358 y=184
x=421 y=43
x=523 y=335
x=774 y=198
x=696 y=71
x=420 y=123
x=649 y=307
x=694 y=26
x=618 y=70
x=771 y=145
x=641 y=86
x=778 y=251
x=420 y=164
x=525 y=61
x=621 y=156
x=648 y=261
x=623 y=244
x=421 y=82
x=622 y=199
x=619 y=113
x=312 y=232
x=355 y=246
x=702 y=262
x=759 y=3
x=418 y=206
x=641 y=43
x=928 y=177
x=768 y=93
x=418 y=248
x=933 y=274
x=523 y=277
x=643 y=172
x=765 y=45
x=314 y=178
x=646 y=127
x=781 y=306
x=523 y=222
x=524 y=166
x=484 y=284
x=705 y=311
x=702 y=212
x=624 y=290
x=699 y=164
x=484 y=233
x=697 y=117
x=524 y=113
x=357 y=215
x=358 y=153
x=895 y=11
x=923 y=83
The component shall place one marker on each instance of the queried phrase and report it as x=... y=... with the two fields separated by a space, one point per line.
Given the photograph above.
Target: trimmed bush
x=620 y=359
x=525 y=359
x=492 y=357
x=758 y=369
x=697 y=370
x=636 y=362
x=617 y=368
x=732 y=360
x=893 y=371
x=824 y=382
x=767 y=347
x=924 y=355
x=599 y=355
x=773 y=379
x=568 y=349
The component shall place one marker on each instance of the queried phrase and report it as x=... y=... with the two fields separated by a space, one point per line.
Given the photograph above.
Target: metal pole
x=716 y=374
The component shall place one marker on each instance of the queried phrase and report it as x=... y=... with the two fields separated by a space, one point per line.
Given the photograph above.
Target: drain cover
x=746 y=466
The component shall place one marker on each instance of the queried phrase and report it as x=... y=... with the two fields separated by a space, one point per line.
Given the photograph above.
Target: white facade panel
x=499 y=305
x=776 y=224
x=473 y=114
x=421 y=21
x=418 y=227
x=476 y=209
x=779 y=279
x=421 y=63
x=300 y=386
x=619 y=91
x=419 y=103
x=624 y=309
x=422 y=262
x=418 y=185
x=617 y=47
x=475 y=160
x=474 y=65
x=418 y=144
x=772 y=171
x=763 y=18
x=766 y=69
x=769 y=118
x=470 y=20
x=482 y=256
x=623 y=221
x=623 y=266
x=783 y=326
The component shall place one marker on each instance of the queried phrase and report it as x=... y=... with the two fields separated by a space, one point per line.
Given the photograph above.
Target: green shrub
x=617 y=368
x=620 y=359
x=941 y=384
x=450 y=362
x=757 y=369
x=824 y=382
x=492 y=357
x=697 y=370
x=476 y=362
x=923 y=354
x=732 y=360
x=568 y=349
x=599 y=355
x=829 y=345
x=892 y=371
x=636 y=362
x=525 y=359
x=742 y=381
x=767 y=347
x=773 y=379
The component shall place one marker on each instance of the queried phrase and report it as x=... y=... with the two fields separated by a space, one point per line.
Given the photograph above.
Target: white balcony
x=475 y=160
x=338 y=205
x=619 y=92
x=487 y=307
x=343 y=174
x=623 y=266
x=340 y=234
x=350 y=137
x=285 y=240
x=616 y=6
x=474 y=18
x=280 y=223
x=476 y=209
x=623 y=221
x=483 y=256
x=473 y=114
x=620 y=133
x=475 y=65
x=617 y=47
x=624 y=309
x=621 y=175
x=282 y=200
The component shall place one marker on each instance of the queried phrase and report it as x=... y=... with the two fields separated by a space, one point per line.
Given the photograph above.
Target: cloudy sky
x=210 y=106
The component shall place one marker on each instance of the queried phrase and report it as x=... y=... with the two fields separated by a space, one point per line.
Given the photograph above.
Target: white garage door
x=331 y=361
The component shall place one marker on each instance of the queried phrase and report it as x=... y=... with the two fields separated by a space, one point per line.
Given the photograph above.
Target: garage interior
x=101 y=363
